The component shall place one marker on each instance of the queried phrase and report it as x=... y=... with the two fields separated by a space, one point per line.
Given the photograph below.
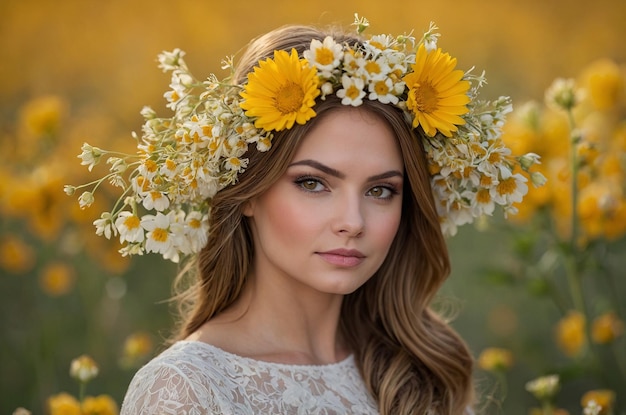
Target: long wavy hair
x=411 y=360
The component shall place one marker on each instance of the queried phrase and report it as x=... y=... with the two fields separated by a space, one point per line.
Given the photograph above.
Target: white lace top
x=193 y=377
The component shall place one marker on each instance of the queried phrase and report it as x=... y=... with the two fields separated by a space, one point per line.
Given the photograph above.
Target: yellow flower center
x=170 y=164
x=381 y=88
x=353 y=92
x=485 y=181
x=324 y=56
x=425 y=98
x=131 y=222
x=151 y=166
x=483 y=196
x=372 y=67
x=289 y=98
x=507 y=186
x=159 y=234
x=195 y=223
x=495 y=157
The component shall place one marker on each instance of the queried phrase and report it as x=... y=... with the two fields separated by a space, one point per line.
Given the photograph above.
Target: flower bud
x=544 y=388
x=69 y=190
x=148 y=113
x=83 y=368
x=562 y=94
x=529 y=159
x=327 y=89
x=538 y=179
x=85 y=200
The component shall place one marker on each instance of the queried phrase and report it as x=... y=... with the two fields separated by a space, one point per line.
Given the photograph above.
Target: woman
x=325 y=245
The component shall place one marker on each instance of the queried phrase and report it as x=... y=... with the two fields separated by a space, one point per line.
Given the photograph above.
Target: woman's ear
x=248 y=208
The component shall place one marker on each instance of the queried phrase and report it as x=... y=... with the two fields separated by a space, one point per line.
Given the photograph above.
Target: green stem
x=616 y=348
x=546 y=408
x=572 y=261
x=81 y=391
x=574 y=139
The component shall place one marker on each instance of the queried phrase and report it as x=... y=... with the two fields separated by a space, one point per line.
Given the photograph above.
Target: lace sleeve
x=166 y=389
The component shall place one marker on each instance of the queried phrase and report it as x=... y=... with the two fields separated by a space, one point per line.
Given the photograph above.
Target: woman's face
x=328 y=222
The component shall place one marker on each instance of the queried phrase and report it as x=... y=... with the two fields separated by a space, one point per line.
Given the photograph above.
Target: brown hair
x=411 y=360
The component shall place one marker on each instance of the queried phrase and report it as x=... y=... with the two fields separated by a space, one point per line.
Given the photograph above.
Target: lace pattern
x=196 y=378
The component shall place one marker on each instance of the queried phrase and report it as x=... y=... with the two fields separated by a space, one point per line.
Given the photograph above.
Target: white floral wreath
x=185 y=159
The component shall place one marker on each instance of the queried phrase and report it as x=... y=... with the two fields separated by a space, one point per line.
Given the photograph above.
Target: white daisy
x=325 y=56
x=156 y=200
x=352 y=92
x=382 y=90
x=197 y=227
x=129 y=227
x=510 y=190
x=158 y=238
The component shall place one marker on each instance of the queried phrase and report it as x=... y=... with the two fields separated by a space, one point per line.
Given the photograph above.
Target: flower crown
x=184 y=160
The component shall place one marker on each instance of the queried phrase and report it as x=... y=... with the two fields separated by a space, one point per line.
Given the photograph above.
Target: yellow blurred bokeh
x=78 y=71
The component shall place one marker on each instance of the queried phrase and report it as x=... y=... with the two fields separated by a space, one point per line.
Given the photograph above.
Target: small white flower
x=378 y=43
x=131 y=249
x=529 y=159
x=544 y=387
x=538 y=179
x=562 y=94
x=118 y=165
x=592 y=408
x=155 y=200
x=69 y=190
x=169 y=168
x=197 y=227
x=83 y=368
x=85 y=200
x=510 y=190
x=352 y=92
x=148 y=113
x=236 y=164
x=382 y=91
x=352 y=64
x=158 y=239
x=129 y=227
x=480 y=201
x=325 y=56
x=430 y=37
x=168 y=61
x=104 y=225
x=90 y=156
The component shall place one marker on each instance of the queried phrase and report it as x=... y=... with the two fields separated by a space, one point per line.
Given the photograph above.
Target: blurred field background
x=75 y=71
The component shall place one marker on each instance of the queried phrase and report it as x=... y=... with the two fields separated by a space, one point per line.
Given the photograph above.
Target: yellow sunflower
x=437 y=94
x=281 y=92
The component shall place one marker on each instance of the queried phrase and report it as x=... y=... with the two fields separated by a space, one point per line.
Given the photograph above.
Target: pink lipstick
x=342 y=257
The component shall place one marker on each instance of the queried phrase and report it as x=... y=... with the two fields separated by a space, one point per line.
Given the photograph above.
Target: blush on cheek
x=287 y=221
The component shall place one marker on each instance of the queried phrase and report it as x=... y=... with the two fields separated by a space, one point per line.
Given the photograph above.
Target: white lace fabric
x=193 y=377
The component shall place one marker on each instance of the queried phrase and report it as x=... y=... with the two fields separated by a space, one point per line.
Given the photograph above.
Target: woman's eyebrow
x=336 y=173
x=386 y=175
x=319 y=166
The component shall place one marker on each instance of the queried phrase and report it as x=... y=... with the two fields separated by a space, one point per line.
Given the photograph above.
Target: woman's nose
x=349 y=219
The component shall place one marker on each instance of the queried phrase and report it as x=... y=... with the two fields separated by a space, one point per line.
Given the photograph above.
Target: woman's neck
x=283 y=323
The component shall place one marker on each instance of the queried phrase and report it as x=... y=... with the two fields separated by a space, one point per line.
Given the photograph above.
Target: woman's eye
x=311 y=185
x=381 y=192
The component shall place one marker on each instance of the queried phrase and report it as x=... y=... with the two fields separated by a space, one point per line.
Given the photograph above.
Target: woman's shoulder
x=180 y=379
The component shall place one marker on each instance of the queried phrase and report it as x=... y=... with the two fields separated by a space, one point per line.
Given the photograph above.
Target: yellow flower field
x=539 y=297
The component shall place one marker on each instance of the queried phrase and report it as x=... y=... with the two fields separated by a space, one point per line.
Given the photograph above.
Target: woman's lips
x=343 y=257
